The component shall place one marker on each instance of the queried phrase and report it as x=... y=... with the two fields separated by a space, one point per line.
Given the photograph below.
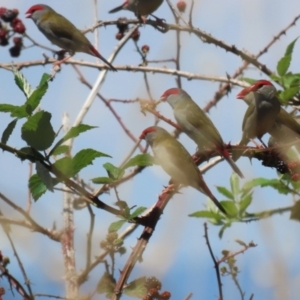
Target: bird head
x=36 y=12
x=174 y=96
x=261 y=86
x=152 y=133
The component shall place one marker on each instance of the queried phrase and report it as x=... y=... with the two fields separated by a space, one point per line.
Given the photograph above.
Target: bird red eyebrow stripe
x=173 y=91
x=146 y=131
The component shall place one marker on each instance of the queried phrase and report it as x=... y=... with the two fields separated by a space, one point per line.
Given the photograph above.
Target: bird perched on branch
x=140 y=8
x=262 y=112
x=176 y=161
x=196 y=124
x=61 y=32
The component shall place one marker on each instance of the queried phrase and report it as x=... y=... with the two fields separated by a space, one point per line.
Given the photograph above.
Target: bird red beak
x=244 y=92
x=28 y=13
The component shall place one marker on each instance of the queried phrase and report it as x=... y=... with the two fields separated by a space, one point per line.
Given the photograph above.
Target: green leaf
x=142 y=160
x=36 y=187
x=34 y=100
x=263 y=182
x=283 y=65
x=244 y=203
x=136 y=288
x=287 y=94
x=290 y=47
x=8 y=131
x=222 y=230
x=38 y=131
x=30 y=154
x=73 y=132
x=65 y=165
x=102 y=180
x=7 y=108
x=106 y=285
x=60 y=150
x=137 y=212
x=115 y=226
x=206 y=214
x=113 y=172
x=235 y=184
x=45 y=79
x=44 y=175
x=22 y=83
x=230 y=207
x=84 y=158
x=222 y=190
x=19 y=112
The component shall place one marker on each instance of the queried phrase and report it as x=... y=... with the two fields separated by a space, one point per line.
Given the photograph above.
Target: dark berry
x=165 y=296
x=145 y=49
x=15 y=51
x=153 y=292
x=296 y=177
x=19 y=28
x=119 y=36
x=3 y=41
x=3 y=33
x=2 y=11
x=181 y=5
x=18 y=41
x=121 y=26
x=8 y=15
x=135 y=35
x=16 y=12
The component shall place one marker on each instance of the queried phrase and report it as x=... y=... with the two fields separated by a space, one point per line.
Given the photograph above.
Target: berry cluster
x=17 y=26
x=153 y=285
x=123 y=27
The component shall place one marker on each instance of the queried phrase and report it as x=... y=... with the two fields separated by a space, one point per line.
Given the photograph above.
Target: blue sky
x=177 y=253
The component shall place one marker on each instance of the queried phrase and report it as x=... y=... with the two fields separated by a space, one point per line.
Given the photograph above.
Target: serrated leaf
x=136 y=288
x=115 y=226
x=37 y=132
x=60 y=150
x=137 y=212
x=141 y=160
x=230 y=207
x=36 y=186
x=206 y=214
x=8 y=131
x=290 y=80
x=222 y=190
x=106 y=285
x=72 y=133
x=263 y=182
x=20 y=112
x=45 y=176
x=295 y=212
x=22 y=83
x=45 y=79
x=289 y=93
x=84 y=158
x=34 y=100
x=290 y=47
x=102 y=180
x=235 y=184
x=283 y=65
x=65 y=165
x=113 y=171
x=7 y=108
x=245 y=202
